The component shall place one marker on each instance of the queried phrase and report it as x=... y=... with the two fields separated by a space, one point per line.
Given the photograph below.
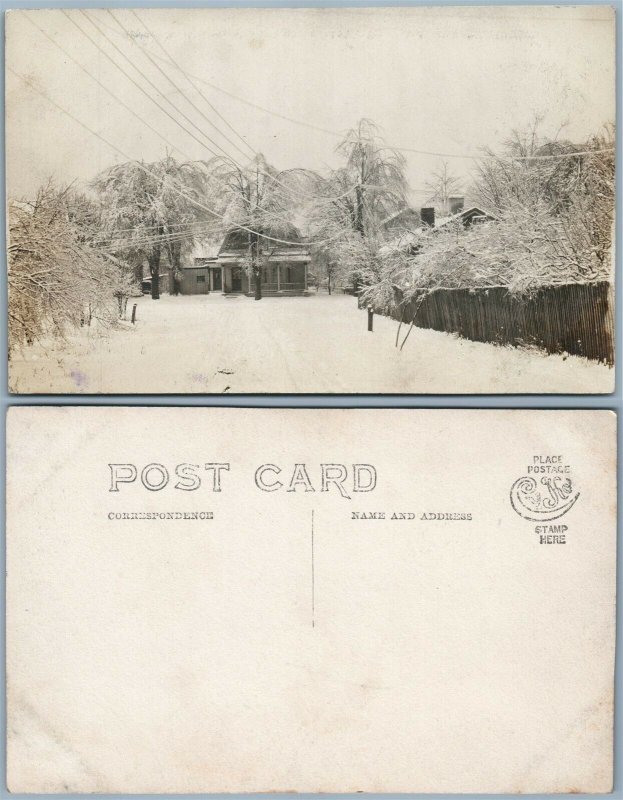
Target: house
x=468 y=216
x=284 y=270
x=411 y=240
x=284 y=266
x=201 y=277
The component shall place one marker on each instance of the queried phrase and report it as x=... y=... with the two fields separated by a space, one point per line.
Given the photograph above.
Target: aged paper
x=229 y=600
x=414 y=200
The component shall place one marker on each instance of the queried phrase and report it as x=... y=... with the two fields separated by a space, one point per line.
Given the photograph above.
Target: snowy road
x=317 y=344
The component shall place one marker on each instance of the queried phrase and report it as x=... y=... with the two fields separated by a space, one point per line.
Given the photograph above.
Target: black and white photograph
x=409 y=200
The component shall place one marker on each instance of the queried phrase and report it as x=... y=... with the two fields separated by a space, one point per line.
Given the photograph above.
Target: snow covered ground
x=317 y=344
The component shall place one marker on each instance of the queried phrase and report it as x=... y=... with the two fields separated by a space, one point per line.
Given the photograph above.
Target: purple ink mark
x=79 y=378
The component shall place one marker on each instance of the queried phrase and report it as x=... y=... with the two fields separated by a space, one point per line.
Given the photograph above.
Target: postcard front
x=314 y=200
x=233 y=600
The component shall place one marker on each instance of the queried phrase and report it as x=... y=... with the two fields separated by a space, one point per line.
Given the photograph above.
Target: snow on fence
x=576 y=318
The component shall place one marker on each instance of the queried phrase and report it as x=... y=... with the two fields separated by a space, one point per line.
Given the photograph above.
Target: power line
x=124 y=105
x=143 y=91
x=174 y=106
x=251 y=104
x=340 y=135
x=146 y=234
x=153 y=175
x=145 y=240
x=276 y=216
x=150 y=82
x=123 y=71
x=84 y=33
x=400 y=148
x=176 y=87
x=123 y=244
x=148 y=53
x=179 y=91
x=569 y=154
x=196 y=88
x=161 y=237
x=261 y=171
x=152 y=227
x=103 y=86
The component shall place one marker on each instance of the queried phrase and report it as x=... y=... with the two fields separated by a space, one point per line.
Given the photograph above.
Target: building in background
x=284 y=267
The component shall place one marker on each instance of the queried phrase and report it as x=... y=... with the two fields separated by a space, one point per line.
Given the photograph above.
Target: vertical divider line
x=313 y=574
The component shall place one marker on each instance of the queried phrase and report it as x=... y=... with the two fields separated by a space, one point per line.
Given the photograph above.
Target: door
x=236 y=280
x=217 y=280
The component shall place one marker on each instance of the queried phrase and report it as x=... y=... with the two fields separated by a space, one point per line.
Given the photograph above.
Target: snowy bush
x=524 y=250
x=57 y=280
x=553 y=225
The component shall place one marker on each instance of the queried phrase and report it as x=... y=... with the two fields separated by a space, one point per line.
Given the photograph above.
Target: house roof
x=201 y=263
x=413 y=238
x=236 y=245
x=404 y=216
x=207 y=247
x=466 y=214
x=238 y=238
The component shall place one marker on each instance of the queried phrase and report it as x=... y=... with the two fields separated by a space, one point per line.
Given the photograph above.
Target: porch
x=280 y=279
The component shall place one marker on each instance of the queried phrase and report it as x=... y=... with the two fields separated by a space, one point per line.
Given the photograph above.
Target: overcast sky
x=447 y=80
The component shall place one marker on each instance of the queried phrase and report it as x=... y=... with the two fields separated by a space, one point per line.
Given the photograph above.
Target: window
x=201 y=278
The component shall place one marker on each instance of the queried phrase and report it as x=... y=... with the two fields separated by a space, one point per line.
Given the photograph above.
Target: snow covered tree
x=357 y=199
x=590 y=184
x=151 y=210
x=325 y=267
x=535 y=174
x=57 y=278
x=442 y=185
x=370 y=187
x=378 y=174
x=514 y=175
x=257 y=198
x=526 y=248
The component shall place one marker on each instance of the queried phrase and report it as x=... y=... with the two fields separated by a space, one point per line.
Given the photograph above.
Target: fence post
x=370 y=317
x=133 y=313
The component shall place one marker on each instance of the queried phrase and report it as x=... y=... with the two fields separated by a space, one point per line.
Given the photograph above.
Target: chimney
x=457 y=204
x=427 y=216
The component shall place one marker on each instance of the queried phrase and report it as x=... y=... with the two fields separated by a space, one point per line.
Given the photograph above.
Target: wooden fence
x=574 y=318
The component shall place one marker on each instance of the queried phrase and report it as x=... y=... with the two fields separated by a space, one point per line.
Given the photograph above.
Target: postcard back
x=235 y=600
